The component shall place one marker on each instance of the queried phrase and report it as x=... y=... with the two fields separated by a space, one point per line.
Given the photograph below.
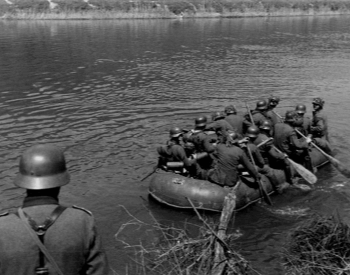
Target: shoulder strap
x=55 y=214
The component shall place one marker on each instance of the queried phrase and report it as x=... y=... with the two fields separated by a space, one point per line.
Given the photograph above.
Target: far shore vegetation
x=137 y=9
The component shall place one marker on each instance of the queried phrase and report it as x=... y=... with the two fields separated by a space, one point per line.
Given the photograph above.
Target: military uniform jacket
x=286 y=140
x=236 y=121
x=258 y=117
x=220 y=127
x=272 y=116
x=72 y=241
x=201 y=142
x=319 y=127
x=174 y=152
x=227 y=161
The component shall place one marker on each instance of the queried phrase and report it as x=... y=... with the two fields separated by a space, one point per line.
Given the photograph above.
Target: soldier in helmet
x=228 y=158
x=258 y=115
x=287 y=141
x=201 y=141
x=235 y=120
x=43 y=236
x=273 y=158
x=319 y=126
x=304 y=123
x=173 y=156
x=219 y=125
x=252 y=133
x=270 y=113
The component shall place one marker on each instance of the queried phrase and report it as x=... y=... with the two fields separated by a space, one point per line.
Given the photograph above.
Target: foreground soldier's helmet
x=42 y=167
x=217 y=115
x=261 y=105
x=252 y=132
x=290 y=116
x=318 y=101
x=230 y=110
x=200 y=122
x=300 y=109
x=175 y=132
x=266 y=125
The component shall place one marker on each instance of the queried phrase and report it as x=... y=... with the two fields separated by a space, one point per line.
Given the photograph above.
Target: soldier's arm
x=181 y=156
x=318 y=124
x=298 y=143
x=243 y=159
x=259 y=160
x=96 y=259
x=209 y=147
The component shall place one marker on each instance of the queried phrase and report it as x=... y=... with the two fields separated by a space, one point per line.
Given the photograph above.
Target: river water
x=108 y=92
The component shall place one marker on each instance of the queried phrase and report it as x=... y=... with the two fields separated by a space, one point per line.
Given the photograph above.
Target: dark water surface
x=108 y=92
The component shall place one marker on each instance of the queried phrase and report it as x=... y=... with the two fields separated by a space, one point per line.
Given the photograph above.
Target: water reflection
x=108 y=92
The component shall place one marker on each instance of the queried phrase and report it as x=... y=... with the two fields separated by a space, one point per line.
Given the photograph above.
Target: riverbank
x=124 y=9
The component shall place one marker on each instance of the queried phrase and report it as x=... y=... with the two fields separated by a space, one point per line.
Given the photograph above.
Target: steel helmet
x=274 y=99
x=175 y=132
x=230 y=110
x=300 y=109
x=261 y=105
x=266 y=125
x=232 y=135
x=252 y=132
x=318 y=101
x=217 y=115
x=201 y=122
x=42 y=167
x=290 y=116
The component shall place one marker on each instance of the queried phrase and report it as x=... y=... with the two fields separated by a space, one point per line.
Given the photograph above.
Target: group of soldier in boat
x=257 y=142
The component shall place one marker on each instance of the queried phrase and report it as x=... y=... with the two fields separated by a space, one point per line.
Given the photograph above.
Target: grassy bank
x=120 y=9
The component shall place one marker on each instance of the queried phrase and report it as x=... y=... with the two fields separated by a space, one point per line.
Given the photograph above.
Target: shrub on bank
x=320 y=246
x=113 y=9
x=174 y=251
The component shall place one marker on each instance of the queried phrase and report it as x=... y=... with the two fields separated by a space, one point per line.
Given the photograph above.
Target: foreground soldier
x=44 y=237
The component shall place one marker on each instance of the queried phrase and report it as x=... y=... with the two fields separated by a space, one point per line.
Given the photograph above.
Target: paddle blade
x=303 y=172
x=340 y=167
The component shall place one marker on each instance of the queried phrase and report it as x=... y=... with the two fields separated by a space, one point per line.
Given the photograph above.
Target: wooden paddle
x=302 y=171
x=261 y=186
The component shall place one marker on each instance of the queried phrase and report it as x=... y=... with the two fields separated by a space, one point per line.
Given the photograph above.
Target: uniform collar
x=39 y=200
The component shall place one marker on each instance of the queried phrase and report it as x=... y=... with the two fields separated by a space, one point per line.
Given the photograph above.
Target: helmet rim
x=42 y=182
